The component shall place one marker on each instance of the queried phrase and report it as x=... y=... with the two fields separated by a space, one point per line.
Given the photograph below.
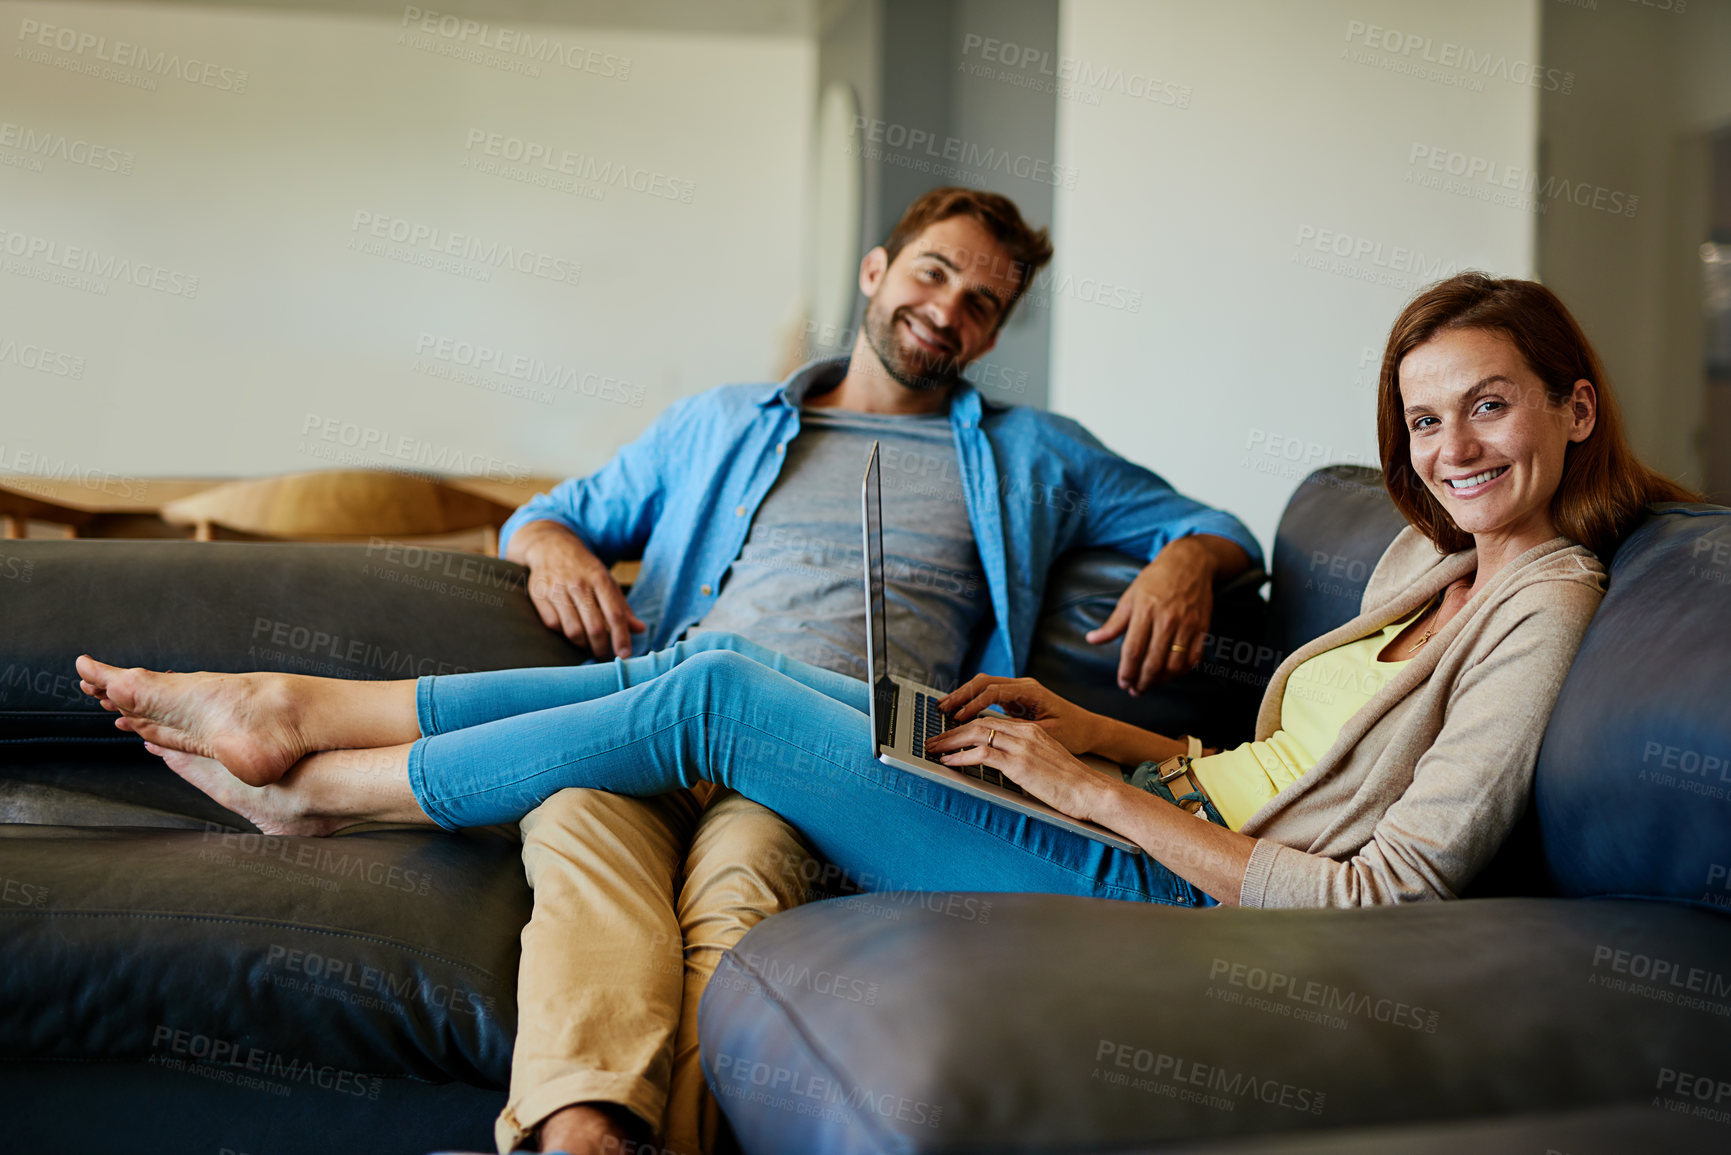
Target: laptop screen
x=877 y=665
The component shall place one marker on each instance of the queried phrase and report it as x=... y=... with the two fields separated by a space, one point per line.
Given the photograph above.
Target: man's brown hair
x=1604 y=485
x=1029 y=249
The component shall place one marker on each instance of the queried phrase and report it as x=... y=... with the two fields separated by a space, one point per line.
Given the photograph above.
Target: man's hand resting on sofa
x=573 y=590
x=1163 y=617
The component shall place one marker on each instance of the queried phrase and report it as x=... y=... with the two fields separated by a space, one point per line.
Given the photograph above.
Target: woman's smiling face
x=1485 y=439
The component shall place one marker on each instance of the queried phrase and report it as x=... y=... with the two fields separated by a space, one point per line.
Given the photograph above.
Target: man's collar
x=826 y=373
x=812 y=377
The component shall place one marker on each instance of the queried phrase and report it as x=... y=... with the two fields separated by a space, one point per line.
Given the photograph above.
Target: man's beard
x=914 y=368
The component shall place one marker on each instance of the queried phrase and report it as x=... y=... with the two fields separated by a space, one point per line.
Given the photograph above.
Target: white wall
x=1215 y=353
x=256 y=192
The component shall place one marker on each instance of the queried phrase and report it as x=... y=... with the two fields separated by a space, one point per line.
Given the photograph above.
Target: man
x=743 y=503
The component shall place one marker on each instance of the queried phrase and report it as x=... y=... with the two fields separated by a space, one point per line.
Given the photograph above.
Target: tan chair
x=18 y=509
x=343 y=505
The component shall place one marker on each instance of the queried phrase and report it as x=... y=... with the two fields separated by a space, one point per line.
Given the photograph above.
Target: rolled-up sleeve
x=614 y=508
x=1133 y=509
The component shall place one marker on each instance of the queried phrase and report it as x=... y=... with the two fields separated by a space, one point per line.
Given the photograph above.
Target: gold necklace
x=1442 y=599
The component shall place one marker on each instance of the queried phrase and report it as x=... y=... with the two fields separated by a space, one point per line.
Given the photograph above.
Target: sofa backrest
x=1633 y=785
x=390 y=611
x=1335 y=527
x=1633 y=789
x=1216 y=701
x=351 y=611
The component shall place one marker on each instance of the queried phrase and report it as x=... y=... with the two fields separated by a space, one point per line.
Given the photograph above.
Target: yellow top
x=1321 y=695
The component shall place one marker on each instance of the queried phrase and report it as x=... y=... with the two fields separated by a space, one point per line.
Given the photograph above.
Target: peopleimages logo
x=123 y=54
x=1119 y=1064
x=511 y=42
x=1448 y=54
x=105 y=266
x=1073 y=77
x=309 y=642
x=1325 y=997
x=183 y=1050
x=463 y=246
x=925 y=151
x=581 y=166
x=367 y=441
x=1482 y=178
x=328 y=976
x=529 y=369
x=41 y=359
x=59 y=146
x=803 y=1093
x=40 y=472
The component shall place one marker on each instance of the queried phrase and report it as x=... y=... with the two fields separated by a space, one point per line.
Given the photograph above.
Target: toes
x=89 y=668
x=121 y=690
x=97 y=692
x=97 y=674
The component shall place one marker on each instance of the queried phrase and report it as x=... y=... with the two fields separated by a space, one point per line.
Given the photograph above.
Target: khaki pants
x=635 y=901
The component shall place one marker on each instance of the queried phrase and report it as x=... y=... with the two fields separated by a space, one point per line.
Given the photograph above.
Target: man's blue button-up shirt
x=682 y=497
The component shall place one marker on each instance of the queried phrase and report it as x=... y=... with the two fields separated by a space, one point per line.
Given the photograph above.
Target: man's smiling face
x=938 y=305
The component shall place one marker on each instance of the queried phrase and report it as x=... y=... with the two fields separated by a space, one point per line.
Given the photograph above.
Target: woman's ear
x=1583 y=410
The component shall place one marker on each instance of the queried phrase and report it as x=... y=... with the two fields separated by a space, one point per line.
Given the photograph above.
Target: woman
x=1393 y=755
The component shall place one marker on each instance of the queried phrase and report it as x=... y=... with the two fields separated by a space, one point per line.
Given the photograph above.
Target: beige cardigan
x=1425 y=782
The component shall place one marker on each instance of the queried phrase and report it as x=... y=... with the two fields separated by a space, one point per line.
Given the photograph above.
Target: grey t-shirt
x=797 y=585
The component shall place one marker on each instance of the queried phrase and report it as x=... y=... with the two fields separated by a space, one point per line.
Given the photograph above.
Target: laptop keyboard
x=929 y=722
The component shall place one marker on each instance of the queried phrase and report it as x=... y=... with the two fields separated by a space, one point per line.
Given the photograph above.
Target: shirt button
x=739 y=511
x=782 y=448
x=705 y=590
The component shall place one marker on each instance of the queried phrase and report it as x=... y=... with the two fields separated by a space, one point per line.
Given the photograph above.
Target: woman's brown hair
x=1604 y=485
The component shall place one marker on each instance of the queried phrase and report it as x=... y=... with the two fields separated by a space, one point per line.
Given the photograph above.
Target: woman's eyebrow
x=1482 y=385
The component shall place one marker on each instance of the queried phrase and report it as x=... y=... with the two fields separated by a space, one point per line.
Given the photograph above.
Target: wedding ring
x=992 y=739
x=1179 y=647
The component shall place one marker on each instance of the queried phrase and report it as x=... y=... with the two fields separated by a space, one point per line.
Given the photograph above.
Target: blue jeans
x=792 y=737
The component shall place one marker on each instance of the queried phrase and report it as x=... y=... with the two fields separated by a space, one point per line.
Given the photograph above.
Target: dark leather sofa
x=1578 y=1001
x=174 y=982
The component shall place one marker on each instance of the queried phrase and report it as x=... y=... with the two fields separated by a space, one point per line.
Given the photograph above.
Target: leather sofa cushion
x=1036 y=1023
x=1591 y=1131
x=382 y=954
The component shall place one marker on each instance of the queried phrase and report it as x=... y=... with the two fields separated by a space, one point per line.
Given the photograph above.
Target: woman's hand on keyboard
x=1074 y=728
x=1029 y=756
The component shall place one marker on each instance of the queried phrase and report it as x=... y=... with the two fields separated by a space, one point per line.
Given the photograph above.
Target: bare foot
x=274 y=809
x=590 y=1129
x=247 y=722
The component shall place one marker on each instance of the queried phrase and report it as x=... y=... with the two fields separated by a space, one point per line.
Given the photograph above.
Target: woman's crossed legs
x=792 y=738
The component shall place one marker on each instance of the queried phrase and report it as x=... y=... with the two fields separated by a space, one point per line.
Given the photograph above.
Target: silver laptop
x=905 y=714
